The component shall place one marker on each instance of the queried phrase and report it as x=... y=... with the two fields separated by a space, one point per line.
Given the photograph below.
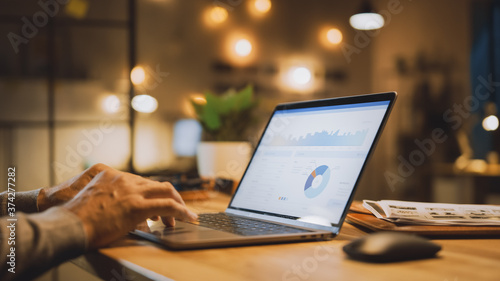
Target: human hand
x=62 y=193
x=114 y=202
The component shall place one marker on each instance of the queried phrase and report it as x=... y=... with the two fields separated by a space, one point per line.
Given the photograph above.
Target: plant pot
x=225 y=160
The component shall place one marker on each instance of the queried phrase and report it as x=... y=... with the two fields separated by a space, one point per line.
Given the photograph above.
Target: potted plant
x=224 y=151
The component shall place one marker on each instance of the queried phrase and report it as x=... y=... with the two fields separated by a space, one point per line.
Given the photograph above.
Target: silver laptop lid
x=309 y=160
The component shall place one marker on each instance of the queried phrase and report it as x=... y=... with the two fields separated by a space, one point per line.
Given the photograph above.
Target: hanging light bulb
x=366 y=18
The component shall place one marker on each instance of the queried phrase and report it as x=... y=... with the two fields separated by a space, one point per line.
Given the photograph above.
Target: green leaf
x=228 y=101
x=244 y=98
x=198 y=108
x=210 y=117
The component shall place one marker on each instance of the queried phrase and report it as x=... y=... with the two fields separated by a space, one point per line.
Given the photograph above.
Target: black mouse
x=391 y=246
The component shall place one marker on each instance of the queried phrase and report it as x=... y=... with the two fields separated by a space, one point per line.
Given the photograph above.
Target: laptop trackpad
x=186 y=231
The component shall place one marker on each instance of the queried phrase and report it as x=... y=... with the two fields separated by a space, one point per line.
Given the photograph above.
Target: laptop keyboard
x=243 y=226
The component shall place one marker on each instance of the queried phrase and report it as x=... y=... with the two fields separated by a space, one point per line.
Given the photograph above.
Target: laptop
x=300 y=181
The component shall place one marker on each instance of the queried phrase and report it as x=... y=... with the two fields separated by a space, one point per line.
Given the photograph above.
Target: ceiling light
x=366 y=18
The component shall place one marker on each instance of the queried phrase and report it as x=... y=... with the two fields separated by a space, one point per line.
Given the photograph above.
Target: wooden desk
x=135 y=259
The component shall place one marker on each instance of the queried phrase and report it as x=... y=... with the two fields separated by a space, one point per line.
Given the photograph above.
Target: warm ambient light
x=243 y=47
x=239 y=48
x=262 y=6
x=111 y=104
x=215 y=15
x=137 y=75
x=367 y=21
x=218 y=14
x=299 y=76
x=334 y=36
x=144 y=103
x=490 y=123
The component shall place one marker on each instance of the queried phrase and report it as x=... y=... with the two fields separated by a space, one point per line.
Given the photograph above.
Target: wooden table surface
x=136 y=259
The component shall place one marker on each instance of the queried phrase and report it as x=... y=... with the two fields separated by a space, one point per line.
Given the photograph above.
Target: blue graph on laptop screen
x=309 y=160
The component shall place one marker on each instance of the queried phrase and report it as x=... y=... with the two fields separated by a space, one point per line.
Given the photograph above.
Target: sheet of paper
x=434 y=213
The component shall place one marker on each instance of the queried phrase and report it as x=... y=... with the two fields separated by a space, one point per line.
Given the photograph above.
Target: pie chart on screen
x=317 y=181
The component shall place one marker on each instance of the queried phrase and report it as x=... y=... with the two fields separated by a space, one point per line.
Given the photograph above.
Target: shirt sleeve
x=24 y=201
x=33 y=243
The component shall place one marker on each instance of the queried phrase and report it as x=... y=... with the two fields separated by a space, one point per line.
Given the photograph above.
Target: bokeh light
x=243 y=47
x=334 y=36
x=490 y=123
x=144 y=103
x=111 y=104
x=262 y=6
x=138 y=75
x=367 y=21
x=215 y=15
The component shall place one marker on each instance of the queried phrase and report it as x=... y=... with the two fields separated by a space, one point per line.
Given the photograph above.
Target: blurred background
x=87 y=81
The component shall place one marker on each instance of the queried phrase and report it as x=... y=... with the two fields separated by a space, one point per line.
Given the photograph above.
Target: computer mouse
x=390 y=247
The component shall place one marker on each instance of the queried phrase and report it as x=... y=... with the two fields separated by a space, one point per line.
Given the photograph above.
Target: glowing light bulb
x=111 y=104
x=243 y=47
x=490 y=123
x=300 y=75
x=334 y=36
x=137 y=75
x=367 y=21
x=262 y=6
x=218 y=14
x=144 y=103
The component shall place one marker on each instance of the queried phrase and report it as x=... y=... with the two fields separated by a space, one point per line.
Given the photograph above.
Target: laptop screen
x=309 y=160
